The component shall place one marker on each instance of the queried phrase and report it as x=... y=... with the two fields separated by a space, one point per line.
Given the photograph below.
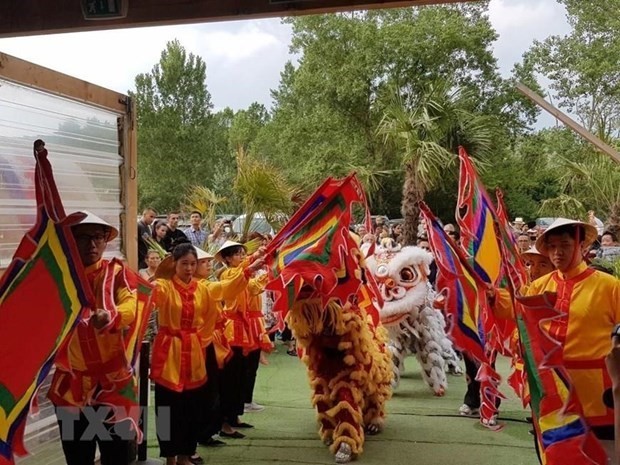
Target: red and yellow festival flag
x=561 y=431
x=512 y=262
x=41 y=295
x=124 y=403
x=314 y=247
x=475 y=215
x=466 y=305
x=487 y=241
x=514 y=269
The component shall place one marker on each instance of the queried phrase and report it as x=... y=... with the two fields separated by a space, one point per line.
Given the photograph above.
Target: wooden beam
x=569 y=122
x=23 y=72
x=32 y=17
x=129 y=186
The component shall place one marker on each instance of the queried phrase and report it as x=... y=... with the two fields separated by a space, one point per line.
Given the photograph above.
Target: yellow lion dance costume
x=349 y=367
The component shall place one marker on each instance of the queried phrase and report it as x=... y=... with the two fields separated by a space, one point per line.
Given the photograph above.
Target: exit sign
x=104 y=9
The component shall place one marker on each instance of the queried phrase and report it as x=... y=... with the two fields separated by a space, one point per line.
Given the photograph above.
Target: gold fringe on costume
x=349 y=368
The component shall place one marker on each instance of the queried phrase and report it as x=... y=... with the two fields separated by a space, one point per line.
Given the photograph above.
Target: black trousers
x=212 y=417
x=287 y=334
x=249 y=378
x=80 y=434
x=472 y=395
x=178 y=420
x=231 y=391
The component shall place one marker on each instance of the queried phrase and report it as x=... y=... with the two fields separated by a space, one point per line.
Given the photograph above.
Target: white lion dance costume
x=414 y=325
x=349 y=369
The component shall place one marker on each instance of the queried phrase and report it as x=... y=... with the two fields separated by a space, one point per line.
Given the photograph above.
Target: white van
x=259 y=224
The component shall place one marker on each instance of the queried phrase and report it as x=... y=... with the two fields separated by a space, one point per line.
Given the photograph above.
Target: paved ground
x=421 y=429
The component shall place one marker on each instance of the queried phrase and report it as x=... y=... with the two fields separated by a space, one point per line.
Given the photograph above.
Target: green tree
x=175 y=89
x=179 y=139
x=246 y=125
x=427 y=128
x=583 y=65
x=327 y=108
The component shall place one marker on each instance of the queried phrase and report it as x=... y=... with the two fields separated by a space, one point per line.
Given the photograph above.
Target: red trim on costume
x=187 y=319
x=585 y=364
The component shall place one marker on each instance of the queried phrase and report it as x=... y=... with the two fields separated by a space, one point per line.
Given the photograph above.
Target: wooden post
x=569 y=122
x=129 y=186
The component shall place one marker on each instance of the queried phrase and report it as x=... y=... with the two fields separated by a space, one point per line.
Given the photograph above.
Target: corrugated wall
x=83 y=143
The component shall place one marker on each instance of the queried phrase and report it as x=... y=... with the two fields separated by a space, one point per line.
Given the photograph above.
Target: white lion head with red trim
x=402 y=277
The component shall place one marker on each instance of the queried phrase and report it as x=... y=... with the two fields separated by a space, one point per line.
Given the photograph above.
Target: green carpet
x=420 y=428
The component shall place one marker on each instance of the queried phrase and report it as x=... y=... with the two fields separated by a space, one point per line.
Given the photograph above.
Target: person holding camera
x=221 y=232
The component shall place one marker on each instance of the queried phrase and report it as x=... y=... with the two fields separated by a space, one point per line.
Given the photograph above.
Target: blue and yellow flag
x=476 y=217
x=466 y=306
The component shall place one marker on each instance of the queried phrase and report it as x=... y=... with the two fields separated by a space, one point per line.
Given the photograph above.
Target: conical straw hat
x=590 y=231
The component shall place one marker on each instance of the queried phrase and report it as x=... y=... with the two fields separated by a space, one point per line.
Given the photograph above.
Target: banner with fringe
x=512 y=262
x=467 y=306
x=316 y=250
x=476 y=217
x=561 y=430
x=488 y=240
x=47 y=264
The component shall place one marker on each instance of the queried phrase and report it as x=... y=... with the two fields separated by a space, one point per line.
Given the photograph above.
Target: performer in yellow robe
x=92 y=367
x=501 y=301
x=215 y=339
x=538 y=265
x=590 y=303
x=188 y=309
x=246 y=334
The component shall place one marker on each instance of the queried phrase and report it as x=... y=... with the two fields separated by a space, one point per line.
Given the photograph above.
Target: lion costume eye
x=408 y=275
x=382 y=271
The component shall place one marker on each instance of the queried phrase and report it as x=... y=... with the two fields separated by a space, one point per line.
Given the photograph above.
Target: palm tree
x=427 y=127
x=262 y=188
x=205 y=201
x=594 y=181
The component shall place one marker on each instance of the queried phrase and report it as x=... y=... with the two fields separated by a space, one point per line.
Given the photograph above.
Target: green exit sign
x=104 y=9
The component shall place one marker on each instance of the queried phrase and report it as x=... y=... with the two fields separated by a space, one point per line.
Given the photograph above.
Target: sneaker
x=252 y=407
x=467 y=411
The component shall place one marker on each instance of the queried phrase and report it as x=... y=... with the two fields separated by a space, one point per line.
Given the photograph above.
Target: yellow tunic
x=188 y=314
x=245 y=327
x=215 y=336
x=95 y=358
x=591 y=301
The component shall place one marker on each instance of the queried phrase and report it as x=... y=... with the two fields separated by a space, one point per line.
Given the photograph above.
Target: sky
x=244 y=58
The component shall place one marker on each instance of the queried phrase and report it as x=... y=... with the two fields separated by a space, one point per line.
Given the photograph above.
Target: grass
x=420 y=428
